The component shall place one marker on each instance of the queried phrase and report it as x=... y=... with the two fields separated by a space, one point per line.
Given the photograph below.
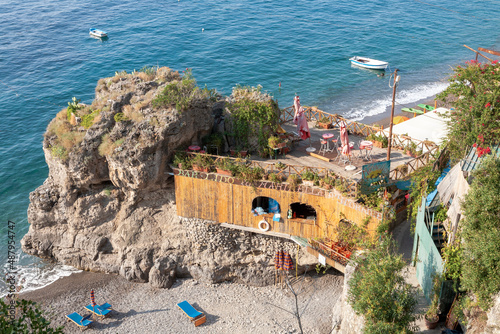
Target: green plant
x=441 y=213
x=328 y=182
x=378 y=291
x=273 y=141
x=73 y=106
x=280 y=165
x=423 y=182
x=225 y=164
x=202 y=160
x=120 y=117
x=324 y=119
x=294 y=180
x=215 y=139
x=351 y=236
x=59 y=152
x=433 y=310
x=453 y=259
x=27 y=318
x=320 y=267
x=309 y=175
x=182 y=94
x=274 y=178
x=481 y=233
x=474 y=118
x=88 y=120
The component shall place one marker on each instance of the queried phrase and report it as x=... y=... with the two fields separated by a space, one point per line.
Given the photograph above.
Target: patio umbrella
x=301 y=121
x=92 y=301
x=399 y=119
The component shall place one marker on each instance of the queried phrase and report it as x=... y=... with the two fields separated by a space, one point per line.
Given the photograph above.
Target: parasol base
x=310 y=149
x=350 y=167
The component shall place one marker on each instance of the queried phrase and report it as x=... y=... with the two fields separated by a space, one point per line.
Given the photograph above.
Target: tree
x=24 y=316
x=476 y=114
x=481 y=233
x=379 y=292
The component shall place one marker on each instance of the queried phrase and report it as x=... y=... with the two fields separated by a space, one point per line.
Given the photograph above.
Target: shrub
x=294 y=180
x=378 y=291
x=120 y=117
x=108 y=146
x=182 y=94
x=59 y=152
x=29 y=318
x=481 y=233
x=88 y=120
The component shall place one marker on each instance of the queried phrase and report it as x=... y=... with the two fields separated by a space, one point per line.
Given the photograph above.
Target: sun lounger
x=99 y=310
x=196 y=317
x=82 y=322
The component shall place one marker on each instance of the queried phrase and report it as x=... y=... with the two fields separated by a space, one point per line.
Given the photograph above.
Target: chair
x=82 y=322
x=338 y=149
x=99 y=310
x=323 y=146
x=196 y=317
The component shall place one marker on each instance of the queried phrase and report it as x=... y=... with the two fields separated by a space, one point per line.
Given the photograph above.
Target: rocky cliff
x=108 y=203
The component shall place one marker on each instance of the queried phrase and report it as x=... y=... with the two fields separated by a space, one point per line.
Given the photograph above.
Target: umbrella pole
x=310 y=148
x=297 y=262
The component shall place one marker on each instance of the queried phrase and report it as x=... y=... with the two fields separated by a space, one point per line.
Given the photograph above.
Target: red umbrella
x=300 y=119
x=281 y=260
x=277 y=260
x=92 y=299
x=288 y=264
x=344 y=138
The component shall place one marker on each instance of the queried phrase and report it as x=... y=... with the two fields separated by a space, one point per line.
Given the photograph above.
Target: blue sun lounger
x=99 y=310
x=196 y=317
x=82 y=322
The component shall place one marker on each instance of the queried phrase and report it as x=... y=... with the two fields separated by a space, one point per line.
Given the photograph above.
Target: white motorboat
x=369 y=63
x=97 y=33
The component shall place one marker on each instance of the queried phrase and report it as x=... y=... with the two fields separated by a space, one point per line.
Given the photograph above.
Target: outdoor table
x=367 y=146
x=327 y=136
x=194 y=148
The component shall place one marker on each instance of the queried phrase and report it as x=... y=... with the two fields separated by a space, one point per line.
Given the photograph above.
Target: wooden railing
x=349 y=187
x=428 y=149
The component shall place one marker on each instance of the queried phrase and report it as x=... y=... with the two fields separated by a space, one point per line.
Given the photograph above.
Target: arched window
x=262 y=205
x=301 y=210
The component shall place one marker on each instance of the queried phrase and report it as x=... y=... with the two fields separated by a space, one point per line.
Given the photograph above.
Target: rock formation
x=108 y=204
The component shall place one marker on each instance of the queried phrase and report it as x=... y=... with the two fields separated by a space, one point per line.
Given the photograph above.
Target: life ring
x=264 y=225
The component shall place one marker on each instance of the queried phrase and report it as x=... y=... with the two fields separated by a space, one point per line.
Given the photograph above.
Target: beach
x=229 y=307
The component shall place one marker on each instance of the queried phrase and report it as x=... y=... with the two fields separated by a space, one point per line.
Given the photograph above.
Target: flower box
x=325 y=125
x=224 y=172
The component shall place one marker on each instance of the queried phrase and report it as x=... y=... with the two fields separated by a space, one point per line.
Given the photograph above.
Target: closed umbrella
x=276 y=265
x=288 y=264
x=346 y=149
x=301 y=121
x=92 y=300
x=281 y=263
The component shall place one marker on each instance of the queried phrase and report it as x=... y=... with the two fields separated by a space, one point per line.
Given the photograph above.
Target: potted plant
x=181 y=161
x=328 y=182
x=324 y=123
x=431 y=317
x=294 y=180
x=202 y=163
x=309 y=178
x=224 y=166
x=273 y=142
x=274 y=178
x=411 y=149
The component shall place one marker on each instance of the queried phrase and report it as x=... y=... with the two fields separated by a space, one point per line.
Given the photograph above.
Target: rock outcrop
x=108 y=204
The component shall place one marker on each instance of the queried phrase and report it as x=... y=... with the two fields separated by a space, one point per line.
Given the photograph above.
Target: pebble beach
x=229 y=307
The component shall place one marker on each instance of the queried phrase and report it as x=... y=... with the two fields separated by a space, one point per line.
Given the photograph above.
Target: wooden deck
x=300 y=157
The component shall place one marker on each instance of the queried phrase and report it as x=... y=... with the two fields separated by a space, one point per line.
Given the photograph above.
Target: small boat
x=414 y=111
x=97 y=33
x=369 y=63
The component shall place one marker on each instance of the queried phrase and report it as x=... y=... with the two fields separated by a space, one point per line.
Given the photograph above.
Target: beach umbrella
x=92 y=300
x=399 y=119
x=288 y=264
x=300 y=120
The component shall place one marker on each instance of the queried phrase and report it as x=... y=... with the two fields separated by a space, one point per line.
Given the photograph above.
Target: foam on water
x=407 y=97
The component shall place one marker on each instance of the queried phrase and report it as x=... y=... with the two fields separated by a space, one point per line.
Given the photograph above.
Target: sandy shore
x=230 y=307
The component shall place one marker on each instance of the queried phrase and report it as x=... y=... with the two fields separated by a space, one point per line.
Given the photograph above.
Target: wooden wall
x=226 y=202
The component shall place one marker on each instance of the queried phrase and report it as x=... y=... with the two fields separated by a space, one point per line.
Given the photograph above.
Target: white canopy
x=429 y=126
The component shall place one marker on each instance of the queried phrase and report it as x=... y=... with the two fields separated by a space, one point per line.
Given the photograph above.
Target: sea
x=288 y=47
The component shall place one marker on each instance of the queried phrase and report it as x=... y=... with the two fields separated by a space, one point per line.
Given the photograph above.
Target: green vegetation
x=379 y=138
x=252 y=117
x=423 y=182
x=120 y=117
x=183 y=93
x=108 y=146
x=481 y=233
x=88 y=119
x=28 y=318
x=379 y=292
x=73 y=106
x=474 y=119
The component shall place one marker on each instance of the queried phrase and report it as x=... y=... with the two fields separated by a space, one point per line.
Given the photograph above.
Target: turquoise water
x=47 y=57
